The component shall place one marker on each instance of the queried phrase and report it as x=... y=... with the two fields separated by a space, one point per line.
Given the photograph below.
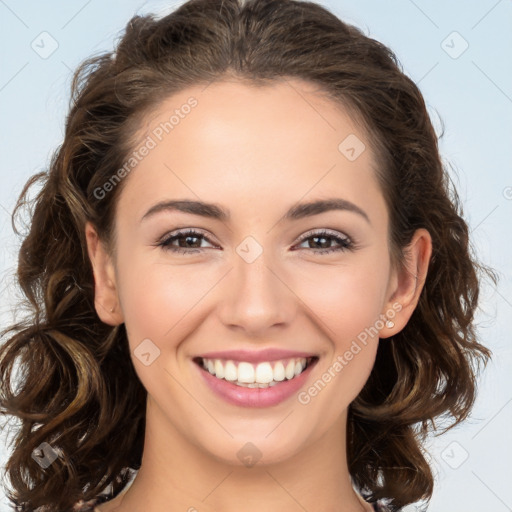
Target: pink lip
x=255 y=397
x=251 y=356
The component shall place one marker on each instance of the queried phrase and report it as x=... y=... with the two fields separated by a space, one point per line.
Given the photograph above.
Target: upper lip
x=251 y=356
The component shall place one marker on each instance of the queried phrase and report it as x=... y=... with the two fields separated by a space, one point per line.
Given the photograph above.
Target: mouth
x=256 y=375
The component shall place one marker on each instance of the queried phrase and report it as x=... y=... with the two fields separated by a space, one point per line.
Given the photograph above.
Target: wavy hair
x=76 y=387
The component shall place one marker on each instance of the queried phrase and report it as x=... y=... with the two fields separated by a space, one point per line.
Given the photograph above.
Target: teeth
x=279 y=373
x=290 y=370
x=261 y=375
x=219 y=369
x=264 y=373
x=230 y=371
x=246 y=373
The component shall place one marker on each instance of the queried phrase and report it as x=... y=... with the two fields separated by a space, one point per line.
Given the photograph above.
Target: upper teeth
x=266 y=373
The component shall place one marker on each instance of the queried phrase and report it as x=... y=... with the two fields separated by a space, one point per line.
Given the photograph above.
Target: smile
x=262 y=375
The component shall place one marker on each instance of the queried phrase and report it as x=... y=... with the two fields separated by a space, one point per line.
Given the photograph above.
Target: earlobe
x=105 y=291
x=408 y=283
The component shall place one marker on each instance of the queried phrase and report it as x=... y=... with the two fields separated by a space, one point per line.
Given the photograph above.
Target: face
x=268 y=275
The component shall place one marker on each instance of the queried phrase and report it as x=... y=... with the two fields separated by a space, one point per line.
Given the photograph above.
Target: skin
x=257 y=152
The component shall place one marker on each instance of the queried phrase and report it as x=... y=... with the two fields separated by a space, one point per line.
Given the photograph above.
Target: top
x=378 y=506
x=91 y=506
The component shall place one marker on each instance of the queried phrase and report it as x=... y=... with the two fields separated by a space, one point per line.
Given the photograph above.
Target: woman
x=250 y=278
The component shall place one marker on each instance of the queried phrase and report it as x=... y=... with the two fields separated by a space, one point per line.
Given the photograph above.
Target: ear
x=406 y=284
x=106 y=300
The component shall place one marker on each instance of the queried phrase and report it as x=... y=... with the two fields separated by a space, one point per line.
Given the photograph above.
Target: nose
x=256 y=296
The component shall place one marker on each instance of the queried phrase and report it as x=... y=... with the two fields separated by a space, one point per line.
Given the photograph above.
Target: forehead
x=282 y=142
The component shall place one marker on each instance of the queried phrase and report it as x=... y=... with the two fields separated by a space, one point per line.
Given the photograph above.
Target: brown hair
x=79 y=389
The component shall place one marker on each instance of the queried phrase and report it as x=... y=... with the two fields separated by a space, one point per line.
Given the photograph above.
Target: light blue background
x=471 y=93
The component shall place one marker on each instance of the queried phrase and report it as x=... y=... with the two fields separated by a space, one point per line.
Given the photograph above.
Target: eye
x=324 y=239
x=190 y=243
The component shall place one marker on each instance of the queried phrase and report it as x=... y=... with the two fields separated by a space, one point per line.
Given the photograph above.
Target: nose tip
x=257 y=298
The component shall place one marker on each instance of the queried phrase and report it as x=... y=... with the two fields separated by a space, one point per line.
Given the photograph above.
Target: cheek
x=345 y=299
x=346 y=304
x=163 y=304
x=161 y=301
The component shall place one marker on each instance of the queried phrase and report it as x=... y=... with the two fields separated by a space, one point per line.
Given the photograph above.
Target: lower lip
x=255 y=397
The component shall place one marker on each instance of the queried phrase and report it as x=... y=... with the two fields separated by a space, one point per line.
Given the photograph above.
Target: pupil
x=188 y=238
x=321 y=238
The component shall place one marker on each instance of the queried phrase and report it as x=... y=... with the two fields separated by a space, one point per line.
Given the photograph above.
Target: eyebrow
x=217 y=212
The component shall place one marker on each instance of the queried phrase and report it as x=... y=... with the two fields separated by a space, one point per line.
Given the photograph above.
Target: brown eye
x=189 y=242
x=323 y=241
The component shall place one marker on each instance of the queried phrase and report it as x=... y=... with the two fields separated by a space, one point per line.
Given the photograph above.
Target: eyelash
x=345 y=242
